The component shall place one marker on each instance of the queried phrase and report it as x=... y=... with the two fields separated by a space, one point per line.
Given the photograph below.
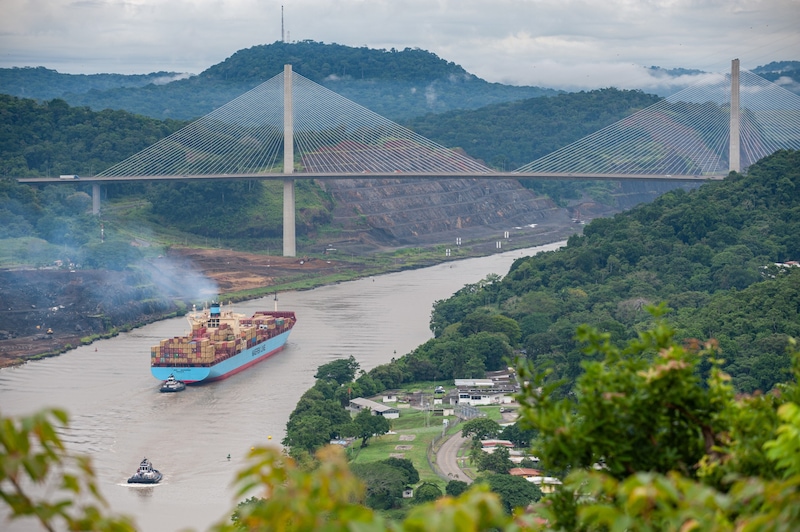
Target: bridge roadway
x=378 y=175
x=289 y=237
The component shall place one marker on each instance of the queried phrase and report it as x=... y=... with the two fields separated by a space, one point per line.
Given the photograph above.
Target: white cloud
x=569 y=43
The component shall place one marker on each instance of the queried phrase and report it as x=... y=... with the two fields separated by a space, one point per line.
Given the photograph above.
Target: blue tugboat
x=146 y=474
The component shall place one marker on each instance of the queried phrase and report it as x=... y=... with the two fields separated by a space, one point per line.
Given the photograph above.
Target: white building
x=377 y=409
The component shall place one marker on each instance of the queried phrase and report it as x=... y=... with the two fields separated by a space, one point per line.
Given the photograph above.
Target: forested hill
x=45 y=84
x=710 y=254
x=396 y=84
x=509 y=135
x=322 y=63
x=53 y=138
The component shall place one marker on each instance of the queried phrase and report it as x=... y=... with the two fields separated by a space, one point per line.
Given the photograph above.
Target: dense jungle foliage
x=710 y=254
x=398 y=84
x=42 y=83
x=509 y=135
x=53 y=138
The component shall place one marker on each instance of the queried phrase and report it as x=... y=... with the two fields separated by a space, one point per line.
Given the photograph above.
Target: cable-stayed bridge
x=700 y=133
x=685 y=136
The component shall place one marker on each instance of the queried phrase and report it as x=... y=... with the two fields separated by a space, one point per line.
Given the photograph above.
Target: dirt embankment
x=50 y=311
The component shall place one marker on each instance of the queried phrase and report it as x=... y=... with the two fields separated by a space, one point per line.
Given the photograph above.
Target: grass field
x=411 y=436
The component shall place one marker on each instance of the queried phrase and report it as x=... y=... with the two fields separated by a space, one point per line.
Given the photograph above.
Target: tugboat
x=172 y=385
x=146 y=474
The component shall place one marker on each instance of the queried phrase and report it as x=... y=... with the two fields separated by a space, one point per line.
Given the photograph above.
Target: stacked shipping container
x=206 y=346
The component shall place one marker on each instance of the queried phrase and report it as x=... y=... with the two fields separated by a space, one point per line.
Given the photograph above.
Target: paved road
x=447 y=458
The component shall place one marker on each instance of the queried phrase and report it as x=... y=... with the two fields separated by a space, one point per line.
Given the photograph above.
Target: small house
x=377 y=409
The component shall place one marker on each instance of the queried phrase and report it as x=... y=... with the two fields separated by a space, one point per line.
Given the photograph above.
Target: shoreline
x=304 y=274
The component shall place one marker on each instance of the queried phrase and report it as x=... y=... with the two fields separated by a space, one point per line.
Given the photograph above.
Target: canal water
x=118 y=415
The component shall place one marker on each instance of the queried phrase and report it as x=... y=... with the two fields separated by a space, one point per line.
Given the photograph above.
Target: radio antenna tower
x=282 y=40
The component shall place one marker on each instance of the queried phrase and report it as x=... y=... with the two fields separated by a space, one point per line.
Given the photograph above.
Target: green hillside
x=322 y=63
x=396 y=84
x=786 y=73
x=53 y=138
x=709 y=254
x=509 y=135
x=43 y=83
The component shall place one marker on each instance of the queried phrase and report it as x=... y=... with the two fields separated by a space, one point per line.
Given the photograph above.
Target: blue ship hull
x=224 y=368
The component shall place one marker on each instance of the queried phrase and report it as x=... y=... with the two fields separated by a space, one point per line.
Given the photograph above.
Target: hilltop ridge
x=397 y=84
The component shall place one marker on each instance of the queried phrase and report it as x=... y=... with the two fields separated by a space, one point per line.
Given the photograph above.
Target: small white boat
x=172 y=385
x=146 y=474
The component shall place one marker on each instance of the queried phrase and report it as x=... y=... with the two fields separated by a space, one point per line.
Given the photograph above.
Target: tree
x=521 y=438
x=643 y=416
x=514 y=492
x=497 y=461
x=346 y=392
x=491 y=349
x=384 y=483
x=455 y=488
x=308 y=433
x=367 y=384
x=412 y=475
x=427 y=492
x=386 y=376
x=342 y=370
x=481 y=428
x=369 y=425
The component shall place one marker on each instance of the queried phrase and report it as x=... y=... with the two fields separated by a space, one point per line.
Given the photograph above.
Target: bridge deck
x=376 y=175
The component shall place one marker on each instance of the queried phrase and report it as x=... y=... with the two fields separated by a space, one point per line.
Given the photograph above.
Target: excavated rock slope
x=406 y=209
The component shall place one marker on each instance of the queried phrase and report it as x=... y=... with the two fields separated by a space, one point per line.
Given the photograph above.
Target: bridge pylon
x=734 y=159
x=289 y=237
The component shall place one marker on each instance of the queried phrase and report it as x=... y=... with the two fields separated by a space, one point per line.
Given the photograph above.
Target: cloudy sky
x=551 y=43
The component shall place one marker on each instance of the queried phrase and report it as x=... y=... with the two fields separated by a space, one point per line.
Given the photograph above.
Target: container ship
x=221 y=343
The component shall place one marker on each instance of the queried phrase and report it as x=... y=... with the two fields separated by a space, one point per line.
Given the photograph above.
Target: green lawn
x=415 y=430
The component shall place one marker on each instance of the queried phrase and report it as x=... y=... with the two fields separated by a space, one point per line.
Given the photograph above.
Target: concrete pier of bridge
x=95 y=198
x=289 y=236
x=734 y=160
